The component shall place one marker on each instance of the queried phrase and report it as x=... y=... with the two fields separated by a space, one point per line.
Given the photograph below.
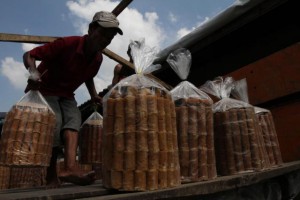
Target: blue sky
x=159 y=22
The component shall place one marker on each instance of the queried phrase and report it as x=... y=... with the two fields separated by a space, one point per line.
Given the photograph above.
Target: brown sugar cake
x=91 y=140
x=269 y=134
x=237 y=133
x=195 y=133
x=27 y=135
x=139 y=142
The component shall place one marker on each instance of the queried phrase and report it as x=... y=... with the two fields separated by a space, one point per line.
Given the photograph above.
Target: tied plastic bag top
x=91 y=139
x=180 y=61
x=218 y=87
x=28 y=132
x=240 y=90
x=221 y=88
x=143 y=57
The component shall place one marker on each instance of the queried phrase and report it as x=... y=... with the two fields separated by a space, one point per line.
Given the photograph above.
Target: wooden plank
x=7 y=37
x=220 y=184
x=97 y=192
x=67 y=191
x=272 y=77
x=121 y=6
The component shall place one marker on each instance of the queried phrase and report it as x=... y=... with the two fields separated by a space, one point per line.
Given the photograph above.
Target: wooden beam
x=121 y=6
x=117 y=58
x=7 y=37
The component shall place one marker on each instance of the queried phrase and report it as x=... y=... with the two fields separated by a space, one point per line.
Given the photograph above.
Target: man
x=65 y=64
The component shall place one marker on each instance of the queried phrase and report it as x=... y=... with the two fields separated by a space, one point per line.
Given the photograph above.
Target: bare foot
x=53 y=182
x=78 y=177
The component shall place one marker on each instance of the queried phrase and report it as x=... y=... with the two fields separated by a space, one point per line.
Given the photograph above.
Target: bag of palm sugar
x=240 y=92
x=27 y=177
x=91 y=139
x=267 y=125
x=140 y=150
x=194 y=123
x=236 y=140
x=27 y=136
x=4 y=177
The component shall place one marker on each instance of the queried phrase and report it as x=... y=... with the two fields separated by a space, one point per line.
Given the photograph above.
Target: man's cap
x=107 y=20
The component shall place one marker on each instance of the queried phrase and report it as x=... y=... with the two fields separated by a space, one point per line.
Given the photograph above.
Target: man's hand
x=34 y=80
x=34 y=85
x=97 y=100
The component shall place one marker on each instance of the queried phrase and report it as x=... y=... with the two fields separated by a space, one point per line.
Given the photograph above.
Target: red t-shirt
x=64 y=66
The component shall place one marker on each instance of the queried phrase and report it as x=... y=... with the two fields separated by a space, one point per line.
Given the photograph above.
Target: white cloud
x=241 y=2
x=15 y=72
x=172 y=17
x=28 y=46
x=184 y=31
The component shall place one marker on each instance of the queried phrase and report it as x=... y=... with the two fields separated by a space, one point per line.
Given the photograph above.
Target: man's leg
x=71 y=144
x=72 y=173
x=71 y=126
x=51 y=177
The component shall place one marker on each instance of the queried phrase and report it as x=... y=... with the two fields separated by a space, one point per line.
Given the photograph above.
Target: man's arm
x=35 y=77
x=116 y=77
x=93 y=93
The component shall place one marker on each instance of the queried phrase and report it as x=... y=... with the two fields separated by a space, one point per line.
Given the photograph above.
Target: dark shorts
x=67 y=115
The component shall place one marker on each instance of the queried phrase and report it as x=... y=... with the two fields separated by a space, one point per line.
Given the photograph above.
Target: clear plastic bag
x=28 y=132
x=90 y=144
x=218 y=88
x=194 y=123
x=240 y=92
x=235 y=129
x=270 y=145
x=139 y=130
x=143 y=57
x=180 y=61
